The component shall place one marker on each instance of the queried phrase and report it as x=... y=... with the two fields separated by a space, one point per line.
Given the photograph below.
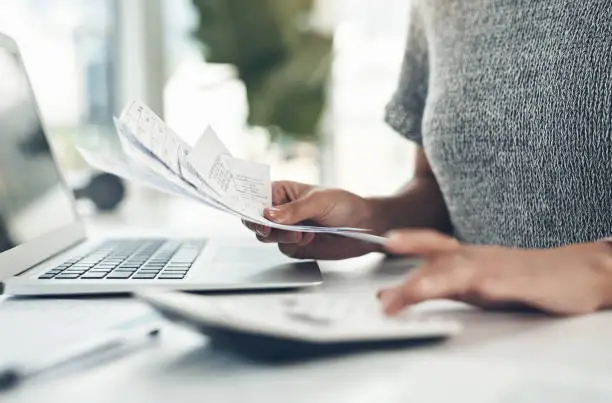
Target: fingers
x=420 y=242
x=309 y=207
x=431 y=281
x=260 y=230
x=474 y=275
x=287 y=237
x=549 y=280
x=324 y=247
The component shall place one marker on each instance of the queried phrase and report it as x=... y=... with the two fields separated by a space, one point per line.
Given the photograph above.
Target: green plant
x=282 y=61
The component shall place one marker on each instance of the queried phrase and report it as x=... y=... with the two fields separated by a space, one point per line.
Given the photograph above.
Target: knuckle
x=455 y=260
x=421 y=288
x=446 y=261
x=317 y=193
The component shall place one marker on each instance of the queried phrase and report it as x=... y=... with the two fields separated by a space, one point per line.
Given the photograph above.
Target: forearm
x=420 y=204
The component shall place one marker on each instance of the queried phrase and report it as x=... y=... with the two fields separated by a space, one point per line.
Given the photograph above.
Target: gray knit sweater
x=512 y=102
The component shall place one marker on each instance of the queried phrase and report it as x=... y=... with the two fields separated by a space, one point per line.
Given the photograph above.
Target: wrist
x=599 y=259
x=384 y=213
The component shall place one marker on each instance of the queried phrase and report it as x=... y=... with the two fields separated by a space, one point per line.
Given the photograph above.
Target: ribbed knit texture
x=512 y=102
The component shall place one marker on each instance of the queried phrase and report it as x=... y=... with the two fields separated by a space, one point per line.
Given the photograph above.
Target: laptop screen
x=33 y=199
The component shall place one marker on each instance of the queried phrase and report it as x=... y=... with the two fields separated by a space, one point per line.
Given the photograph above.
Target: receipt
x=154 y=135
x=242 y=184
x=252 y=183
x=148 y=161
x=153 y=154
x=105 y=154
x=211 y=160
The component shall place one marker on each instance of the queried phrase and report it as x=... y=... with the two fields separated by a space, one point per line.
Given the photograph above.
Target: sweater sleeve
x=405 y=110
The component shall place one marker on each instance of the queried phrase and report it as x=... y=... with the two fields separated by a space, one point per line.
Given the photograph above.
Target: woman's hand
x=568 y=280
x=297 y=203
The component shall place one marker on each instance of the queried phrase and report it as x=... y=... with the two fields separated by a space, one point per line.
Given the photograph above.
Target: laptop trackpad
x=254 y=263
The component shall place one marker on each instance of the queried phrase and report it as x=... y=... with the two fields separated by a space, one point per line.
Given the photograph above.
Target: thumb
x=307 y=208
x=420 y=242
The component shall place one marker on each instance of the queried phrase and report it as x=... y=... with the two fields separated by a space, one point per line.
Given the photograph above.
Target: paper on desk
x=33 y=329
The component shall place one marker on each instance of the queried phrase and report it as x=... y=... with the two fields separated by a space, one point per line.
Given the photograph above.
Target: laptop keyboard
x=139 y=259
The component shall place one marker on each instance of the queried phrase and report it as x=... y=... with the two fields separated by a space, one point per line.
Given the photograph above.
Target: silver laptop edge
x=41 y=248
x=26 y=255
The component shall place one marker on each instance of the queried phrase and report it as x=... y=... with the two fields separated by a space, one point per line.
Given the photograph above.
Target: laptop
x=44 y=248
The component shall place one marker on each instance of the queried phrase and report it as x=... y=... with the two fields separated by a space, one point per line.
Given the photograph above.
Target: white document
x=210 y=160
x=32 y=330
x=252 y=183
x=153 y=154
x=105 y=156
x=172 y=167
x=245 y=186
x=241 y=184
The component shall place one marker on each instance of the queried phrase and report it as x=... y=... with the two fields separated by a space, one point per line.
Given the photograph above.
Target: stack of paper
x=152 y=154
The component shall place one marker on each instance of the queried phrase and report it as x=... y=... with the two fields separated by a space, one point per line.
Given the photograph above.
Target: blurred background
x=297 y=84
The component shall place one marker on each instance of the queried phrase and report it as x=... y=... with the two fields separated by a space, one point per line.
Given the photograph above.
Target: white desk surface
x=500 y=357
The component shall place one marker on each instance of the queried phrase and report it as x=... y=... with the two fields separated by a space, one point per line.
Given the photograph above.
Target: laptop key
x=171 y=276
x=93 y=276
x=125 y=259
x=120 y=275
x=70 y=276
x=144 y=276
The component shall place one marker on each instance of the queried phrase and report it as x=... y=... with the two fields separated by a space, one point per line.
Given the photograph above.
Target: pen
x=13 y=375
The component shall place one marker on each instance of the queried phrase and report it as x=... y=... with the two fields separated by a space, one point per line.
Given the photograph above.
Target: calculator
x=297 y=325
